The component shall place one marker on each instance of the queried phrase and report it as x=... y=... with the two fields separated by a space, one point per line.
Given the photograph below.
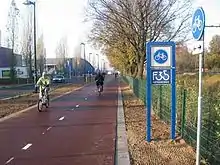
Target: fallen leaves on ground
x=17 y=104
x=161 y=150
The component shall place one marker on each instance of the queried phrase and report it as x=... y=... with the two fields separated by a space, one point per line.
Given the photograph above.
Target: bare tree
x=12 y=31
x=137 y=22
x=62 y=52
x=77 y=56
x=27 y=42
x=41 y=56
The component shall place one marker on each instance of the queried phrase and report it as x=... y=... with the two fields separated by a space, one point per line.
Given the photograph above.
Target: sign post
x=198 y=26
x=161 y=70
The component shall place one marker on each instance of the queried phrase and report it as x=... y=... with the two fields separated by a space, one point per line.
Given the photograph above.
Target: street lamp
x=28 y=3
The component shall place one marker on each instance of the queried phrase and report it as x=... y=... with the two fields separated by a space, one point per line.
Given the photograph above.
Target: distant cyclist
x=116 y=75
x=43 y=83
x=99 y=80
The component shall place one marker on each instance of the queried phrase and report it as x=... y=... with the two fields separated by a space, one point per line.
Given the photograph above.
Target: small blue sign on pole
x=198 y=24
x=161 y=70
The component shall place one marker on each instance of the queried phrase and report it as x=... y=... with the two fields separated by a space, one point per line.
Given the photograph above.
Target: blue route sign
x=161 y=70
x=198 y=24
x=161 y=76
x=161 y=56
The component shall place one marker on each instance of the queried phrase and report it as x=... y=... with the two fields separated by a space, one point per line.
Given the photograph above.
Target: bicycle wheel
x=47 y=103
x=99 y=90
x=40 y=105
x=157 y=57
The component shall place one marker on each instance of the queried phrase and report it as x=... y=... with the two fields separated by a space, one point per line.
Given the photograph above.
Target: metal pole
x=98 y=60
x=90 y=57
x=203 y=52
x=199 y=123
x=76 y=69
x=84 y=56
x=35 y=46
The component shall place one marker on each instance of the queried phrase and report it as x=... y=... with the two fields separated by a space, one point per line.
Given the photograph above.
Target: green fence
x=186 y=114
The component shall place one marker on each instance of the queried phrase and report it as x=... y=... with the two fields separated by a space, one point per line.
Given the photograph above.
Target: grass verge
x=11 y=106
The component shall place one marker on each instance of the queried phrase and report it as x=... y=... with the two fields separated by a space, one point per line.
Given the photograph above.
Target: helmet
x=44 y=74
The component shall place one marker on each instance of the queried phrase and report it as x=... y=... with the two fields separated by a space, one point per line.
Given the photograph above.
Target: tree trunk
x=41 y=64
x=140 y=67
x=135 y=71
x=30 y=65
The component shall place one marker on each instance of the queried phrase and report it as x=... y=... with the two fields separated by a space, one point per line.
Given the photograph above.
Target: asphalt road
x=14 y=91
x=78 y=129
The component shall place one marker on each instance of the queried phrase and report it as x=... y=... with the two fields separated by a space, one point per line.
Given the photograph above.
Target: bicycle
x=100 y=89
x=44 y=100
x=116 y=76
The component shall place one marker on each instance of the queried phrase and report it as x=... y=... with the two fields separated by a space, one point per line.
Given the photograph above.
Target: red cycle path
x=78 y=129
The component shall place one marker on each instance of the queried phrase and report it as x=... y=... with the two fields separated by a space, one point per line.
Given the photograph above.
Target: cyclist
x=103 y=74
x=116 y=75
x=43 y=83
x=99 y=80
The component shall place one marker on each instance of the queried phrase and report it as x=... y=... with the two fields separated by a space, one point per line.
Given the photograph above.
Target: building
x=72 y=66
x=5 y=58
x=5 y=64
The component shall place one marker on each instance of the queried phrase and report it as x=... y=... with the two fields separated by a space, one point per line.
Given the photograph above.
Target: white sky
x=57 y=18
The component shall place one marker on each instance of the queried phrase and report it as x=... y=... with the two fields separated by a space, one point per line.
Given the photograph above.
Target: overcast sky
x=57 y=18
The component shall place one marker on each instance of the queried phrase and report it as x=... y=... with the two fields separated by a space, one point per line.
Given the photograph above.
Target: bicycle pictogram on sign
x=197 y=25
x=160 y=56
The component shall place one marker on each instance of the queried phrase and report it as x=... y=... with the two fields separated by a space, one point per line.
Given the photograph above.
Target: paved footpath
x=78 y=129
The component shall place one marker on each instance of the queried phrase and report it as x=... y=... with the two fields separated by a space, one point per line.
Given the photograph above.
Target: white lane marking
x=62 y=118
x=73 y=109
x=12 y=158
x=49 y=128
x=77 y=106
x=27 y=146
x=46 y=130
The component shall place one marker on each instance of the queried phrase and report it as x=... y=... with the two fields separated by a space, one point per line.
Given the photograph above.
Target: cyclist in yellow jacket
x=43 y=83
